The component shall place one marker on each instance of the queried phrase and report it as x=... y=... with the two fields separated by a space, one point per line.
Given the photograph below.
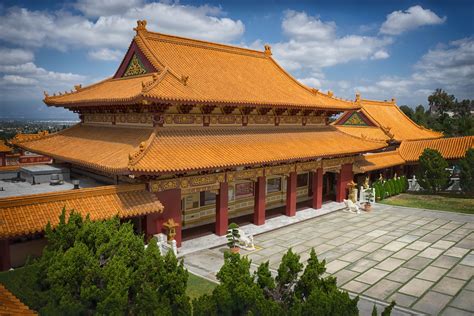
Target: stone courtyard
x=422 y=259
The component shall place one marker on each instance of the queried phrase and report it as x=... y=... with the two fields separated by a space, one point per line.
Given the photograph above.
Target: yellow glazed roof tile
x=30 y=214
x=184 y=149
x=369 y=162
x=121 y=150
x=388 y=115
x=450 y=148
x=11 y=305
x=368 y=132
x=106 y=148
x=200 y=72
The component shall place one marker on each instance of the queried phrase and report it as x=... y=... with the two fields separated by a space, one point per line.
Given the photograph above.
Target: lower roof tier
x=24 y=215
x=121 y=150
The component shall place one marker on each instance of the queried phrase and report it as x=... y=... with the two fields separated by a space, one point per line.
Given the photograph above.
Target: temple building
x=198 y=133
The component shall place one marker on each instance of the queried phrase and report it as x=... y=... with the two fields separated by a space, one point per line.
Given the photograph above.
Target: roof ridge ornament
x=357 y=97
x=141 y=26
x=268 y=50
x=330 y=93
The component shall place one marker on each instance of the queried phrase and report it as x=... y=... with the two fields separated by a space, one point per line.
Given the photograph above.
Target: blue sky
x=382 y=49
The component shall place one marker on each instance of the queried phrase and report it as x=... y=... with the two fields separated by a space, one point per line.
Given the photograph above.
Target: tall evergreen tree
x=467 y=172
x=432 y=174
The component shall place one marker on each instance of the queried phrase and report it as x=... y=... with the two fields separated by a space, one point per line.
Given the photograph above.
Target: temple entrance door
x=329 y=186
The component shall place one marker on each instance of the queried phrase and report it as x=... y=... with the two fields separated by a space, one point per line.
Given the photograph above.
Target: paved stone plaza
x=424 y=260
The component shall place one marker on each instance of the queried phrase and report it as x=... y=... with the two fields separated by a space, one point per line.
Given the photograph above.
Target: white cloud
x=34 y=80
x=106 y=54
x=313 y=44
x=398 y=22
x=380 y=54
x=94 y=8
x=12 y=56
x=62 y=30
x=302 y=27
x=450 y=67
x=311 y=82
x=19 y=80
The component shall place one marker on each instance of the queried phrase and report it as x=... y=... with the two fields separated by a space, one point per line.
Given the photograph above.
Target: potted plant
x=233 y=238
x=369 y=195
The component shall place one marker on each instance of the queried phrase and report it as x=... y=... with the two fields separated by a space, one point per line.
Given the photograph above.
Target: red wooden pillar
x=291 y=194
x=259 y=206
x=222 y=209
x=171 y=200
x=5 y=263
x=343 y=178
x=317 y=184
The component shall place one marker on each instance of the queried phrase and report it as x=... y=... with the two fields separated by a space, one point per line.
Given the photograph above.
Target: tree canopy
x=293 y=291
x=432 y=174
x=467 y=172
x=103 y=267
x=446 y=114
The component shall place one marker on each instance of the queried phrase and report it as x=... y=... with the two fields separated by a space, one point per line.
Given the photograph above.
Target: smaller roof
x=4 y=148
x=391 y=121
x=365 y=132
x=450 y=148
x=377 y=161
x=10 y=305
x=24 y=215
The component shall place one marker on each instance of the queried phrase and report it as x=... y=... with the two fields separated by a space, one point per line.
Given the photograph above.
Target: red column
x=171 y=200
x=222 y=209
x=343 y=178
x=5 y=263
x=317 y=182
x=259 y=207
x=291 y=194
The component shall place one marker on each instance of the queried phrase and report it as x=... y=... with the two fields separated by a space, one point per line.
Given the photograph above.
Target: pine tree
x=467 y=172
x=432 y=174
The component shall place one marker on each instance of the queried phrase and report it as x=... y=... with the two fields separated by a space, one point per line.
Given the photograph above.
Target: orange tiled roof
x=183 y=149
x=369 y=162
x=105 y=148
x=122 y=150
x=389 y=116
x=4 y=148
x=198 y=72
x=450 y=148
x=391 y=121
x=10 y=305
x=29 y=214
x=367 y=132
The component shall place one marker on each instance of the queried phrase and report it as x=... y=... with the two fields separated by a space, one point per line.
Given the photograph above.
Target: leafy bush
x=432 y=174
x=292 y=292
x=467 y=172
x=233 y=235
x=103 y=267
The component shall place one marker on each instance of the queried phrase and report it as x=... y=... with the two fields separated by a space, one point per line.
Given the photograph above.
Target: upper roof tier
x=388 y=117
x=161 y=68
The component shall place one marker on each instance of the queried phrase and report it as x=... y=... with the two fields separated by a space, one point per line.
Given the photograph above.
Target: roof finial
x=46 y=95
x=357 y=96
x=330 y=93
x=268 y=50
x=394 y=100
x=141 y=26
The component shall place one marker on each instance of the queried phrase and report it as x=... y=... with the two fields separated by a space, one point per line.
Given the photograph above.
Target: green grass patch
x=198 y=286
x=441 y=202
